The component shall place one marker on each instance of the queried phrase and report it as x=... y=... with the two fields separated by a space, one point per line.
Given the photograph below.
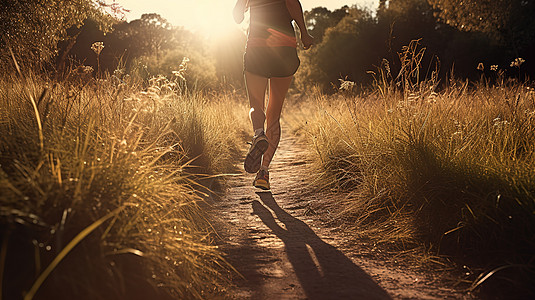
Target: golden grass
x=111 y=144
x=449 y=170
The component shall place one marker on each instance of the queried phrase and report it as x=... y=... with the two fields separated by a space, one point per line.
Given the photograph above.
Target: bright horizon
x=213 y=16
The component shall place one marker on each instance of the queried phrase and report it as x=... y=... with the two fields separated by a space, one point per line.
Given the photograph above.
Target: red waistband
x=275 y=39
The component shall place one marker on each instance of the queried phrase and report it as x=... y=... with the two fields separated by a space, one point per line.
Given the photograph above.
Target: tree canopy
x=350 y=41
x=457 y=35
x=33 y=28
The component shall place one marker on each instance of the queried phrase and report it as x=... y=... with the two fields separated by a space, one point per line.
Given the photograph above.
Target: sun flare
x=212 y=18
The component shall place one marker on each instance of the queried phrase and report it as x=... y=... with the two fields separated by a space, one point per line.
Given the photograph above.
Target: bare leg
x=256 y=90
x=278 y=87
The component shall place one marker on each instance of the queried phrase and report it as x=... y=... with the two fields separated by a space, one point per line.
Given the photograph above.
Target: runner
x=270 y=60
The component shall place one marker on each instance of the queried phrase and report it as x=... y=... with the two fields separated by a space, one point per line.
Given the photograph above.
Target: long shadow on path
x=334 y=276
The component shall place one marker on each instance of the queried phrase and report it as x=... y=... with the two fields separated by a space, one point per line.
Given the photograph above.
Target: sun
x=211 y=18
x=217 y=22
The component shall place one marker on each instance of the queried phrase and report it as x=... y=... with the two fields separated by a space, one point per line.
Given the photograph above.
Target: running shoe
x=261 y=180
x=253 y=159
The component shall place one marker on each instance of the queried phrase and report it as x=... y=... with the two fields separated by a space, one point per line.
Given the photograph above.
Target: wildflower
x=412 y=97
x=480 y=67
x=184 y=62
x=387 y=66
x=153 y=90
x=432 y=98
x=501 y=123
x=517 y=62
x=498 y=122
x=97 y=47
x=119 y=72
x=494 y=68
x=84 y=70
x=346 y=85
x=181 y=72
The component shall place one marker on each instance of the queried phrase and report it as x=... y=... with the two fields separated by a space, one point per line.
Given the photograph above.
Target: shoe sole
x=252 y=160
x=262 y=187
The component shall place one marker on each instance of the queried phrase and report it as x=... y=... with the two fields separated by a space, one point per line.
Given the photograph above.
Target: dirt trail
x=285 y=252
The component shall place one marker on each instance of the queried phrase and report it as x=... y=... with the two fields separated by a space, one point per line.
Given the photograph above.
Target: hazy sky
x=207 y=15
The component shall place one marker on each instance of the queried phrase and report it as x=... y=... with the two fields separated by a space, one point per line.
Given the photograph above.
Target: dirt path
x=285 y=252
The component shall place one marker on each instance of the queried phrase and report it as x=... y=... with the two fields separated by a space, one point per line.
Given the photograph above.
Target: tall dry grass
x=99 y=187
x=451 y=170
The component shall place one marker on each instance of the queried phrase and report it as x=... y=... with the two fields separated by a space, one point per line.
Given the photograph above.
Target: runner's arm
x=296 y=11
x=239 y=10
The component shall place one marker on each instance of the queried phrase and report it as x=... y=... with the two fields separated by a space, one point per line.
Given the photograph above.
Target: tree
x=33 y=28
x=508 y=22
x=150 y=34
x=320 y=18
x=479 y=15
x=347 y=51
x=148 y=46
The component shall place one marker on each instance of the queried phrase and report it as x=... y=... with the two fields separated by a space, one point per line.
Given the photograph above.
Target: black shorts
x=271 y=61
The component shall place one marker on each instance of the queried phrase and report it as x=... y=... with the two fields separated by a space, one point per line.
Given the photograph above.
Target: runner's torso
x=269 y=19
